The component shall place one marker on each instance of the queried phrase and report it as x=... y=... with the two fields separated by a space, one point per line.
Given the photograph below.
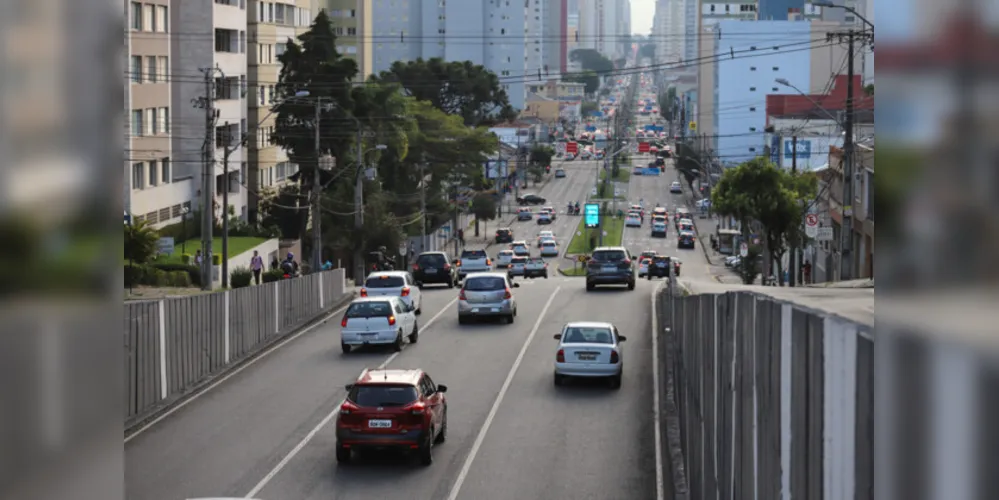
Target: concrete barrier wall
x=172 y=345
x=773 y=400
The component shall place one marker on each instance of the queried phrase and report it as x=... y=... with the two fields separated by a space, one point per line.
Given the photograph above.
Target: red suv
x=397 y=409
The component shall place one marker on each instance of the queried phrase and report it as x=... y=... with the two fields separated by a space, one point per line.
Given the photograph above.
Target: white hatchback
x=503 y=259
x=633 y=220
x=549 y=248
x=394 y=284
x=378 y=321
x=589 y=349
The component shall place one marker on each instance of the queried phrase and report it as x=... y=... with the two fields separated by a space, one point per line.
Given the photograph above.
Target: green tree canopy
x=591 y=60
x=588 y=78
x=457 y=88
x=648 y=50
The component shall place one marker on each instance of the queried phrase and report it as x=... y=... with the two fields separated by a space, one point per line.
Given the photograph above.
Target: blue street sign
x=591 y=128
x=591 y=213
x=775 y=150
x=804 y=149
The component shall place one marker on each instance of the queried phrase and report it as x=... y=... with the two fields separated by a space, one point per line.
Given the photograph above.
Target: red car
x=392 y=409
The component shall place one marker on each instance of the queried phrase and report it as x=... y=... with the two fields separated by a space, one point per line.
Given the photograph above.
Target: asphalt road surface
x=268 y=430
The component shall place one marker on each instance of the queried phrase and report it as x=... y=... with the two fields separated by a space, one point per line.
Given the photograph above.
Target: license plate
x=660 y=265
x=379 y=424
x=495 y=309
x=610 y=269
x=430 y=270
x=587 y=357
x=475 y=310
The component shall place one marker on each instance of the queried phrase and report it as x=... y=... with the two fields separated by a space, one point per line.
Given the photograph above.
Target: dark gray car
x=610 y=266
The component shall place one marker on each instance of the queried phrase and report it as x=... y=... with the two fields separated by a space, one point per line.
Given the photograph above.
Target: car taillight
x=416 y=267
x=391 y=320
x=348 y=408
x=447 y=267
x=626 y=262
x=489 y=262
x=457 y=263
x=364 y=292
x=417 y=408
x=560 y=357
x=508 y=294
x=461 y=295
x=614 y=358
x=343 y=322
x=405 y=291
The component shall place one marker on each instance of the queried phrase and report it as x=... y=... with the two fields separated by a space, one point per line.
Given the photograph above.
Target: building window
x=151 y=69
x=752 y=150
x=165 y=170
x=242 y=42
x=138 y=175
x=752 y=108
x=154 y=177
x=776 y=68
x=279 y=49
x=137 y=122
x=262 y=91
x=136 y=16
x=148 y=14
x=162 y=19
x=752 y=68
x=226 y=40
x=154 y=126
x=136 y=69
x=752 y=129
x=149 y=126
x=712 y=8
x=775 y=89
x=164 y=116
x=752 y=89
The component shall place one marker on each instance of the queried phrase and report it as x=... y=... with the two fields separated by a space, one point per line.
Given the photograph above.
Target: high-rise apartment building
x=158 y=187
x=668 y=31
x=352 y=24
x=486 y=32
x=555 y=41
x=605 y=26
x=271 y=25
x=535 y=28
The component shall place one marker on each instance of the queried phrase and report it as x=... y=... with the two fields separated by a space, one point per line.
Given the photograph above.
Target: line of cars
x=545 y=215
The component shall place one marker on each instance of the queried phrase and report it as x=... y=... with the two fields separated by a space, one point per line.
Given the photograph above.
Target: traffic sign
x=402 y=249
x=743 y=250
x=824 y=234
x=571 y=148
x=811 y=220
x=692 y=125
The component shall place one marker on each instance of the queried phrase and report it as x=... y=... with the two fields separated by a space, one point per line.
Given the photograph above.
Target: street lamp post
x=183 y=230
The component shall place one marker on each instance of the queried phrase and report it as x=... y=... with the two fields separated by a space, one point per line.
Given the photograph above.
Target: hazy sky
x=642 y=12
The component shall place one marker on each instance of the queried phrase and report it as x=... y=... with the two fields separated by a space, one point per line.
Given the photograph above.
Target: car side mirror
x=441 y=388
x=516 y=285
x=558 y=336
x=621 y=338
x=348 y=386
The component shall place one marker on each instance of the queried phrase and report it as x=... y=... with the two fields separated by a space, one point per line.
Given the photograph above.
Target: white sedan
x=675 y=187
x=633 y=220
x=394 y=284
x=549 y=248
x=378 y=321
x=589 y=349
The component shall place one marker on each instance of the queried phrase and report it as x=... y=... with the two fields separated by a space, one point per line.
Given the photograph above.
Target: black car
x=686 y=240
x=659 y=267
x=504 y=235
x=434 y=268
x=610 y=266
x=531 y=199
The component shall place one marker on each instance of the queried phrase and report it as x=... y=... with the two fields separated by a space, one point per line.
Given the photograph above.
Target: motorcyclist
x=577 y=208
x=569 y=209
x=289 y=266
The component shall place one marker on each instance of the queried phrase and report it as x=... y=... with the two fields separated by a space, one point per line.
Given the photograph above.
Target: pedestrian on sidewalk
x=198 y=258
x=257 y=266
x=461 y=237
x=806 y=270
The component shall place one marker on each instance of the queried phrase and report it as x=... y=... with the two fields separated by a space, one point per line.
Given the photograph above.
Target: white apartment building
x=669 y=31
x=272 y=24
x=536 y=44
x=158 y=188
x=215 y=37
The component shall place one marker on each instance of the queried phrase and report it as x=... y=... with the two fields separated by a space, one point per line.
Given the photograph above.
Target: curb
x=700 y=238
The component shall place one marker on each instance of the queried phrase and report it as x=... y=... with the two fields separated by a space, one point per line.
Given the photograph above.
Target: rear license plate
x=430 y=270
x=660 y=265
x=587 y=357
x=379 y=424
x=495 y=310
x=609 y=269
x=475 y=310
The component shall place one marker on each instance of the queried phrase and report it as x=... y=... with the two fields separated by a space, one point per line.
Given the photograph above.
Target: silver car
x=487 y=295
x=589 y=349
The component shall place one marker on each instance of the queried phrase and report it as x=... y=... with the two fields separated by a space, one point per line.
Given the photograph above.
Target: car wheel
x=342 y=454
x=397 y=346
x=558 y=380
x=424 y=453
x=419 y=309
x=462 y=320
x=345 y=348
x=442 y=435
x=589 y=287
x=631 y=285
x=414 y=337
x=615 y=382
x=509 y=319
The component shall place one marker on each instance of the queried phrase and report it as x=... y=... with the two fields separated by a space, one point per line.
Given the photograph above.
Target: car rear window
x=485 y=283
x=385 y=282
x=473 y=254
x=547 y=243
x=519 y=260
x=577 y=335
x=505 y=253
x=369 y=309
x=431 y=259
x=609 y=256
x=502 y=231
x=382 y=395
x=537 y=260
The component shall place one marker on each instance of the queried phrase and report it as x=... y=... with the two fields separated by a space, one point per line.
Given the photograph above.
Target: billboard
x=495 y=169
x=591 y=214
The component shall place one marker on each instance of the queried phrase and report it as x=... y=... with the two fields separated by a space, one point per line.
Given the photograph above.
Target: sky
x=642 y=12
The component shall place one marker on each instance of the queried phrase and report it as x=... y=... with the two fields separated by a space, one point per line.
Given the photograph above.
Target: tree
x=587 y=108
x=591 y=60
x=758 y=190
x=588 y=78
x=869 y=89
x=648 y=50
x=282 y=209
x=484 y=209
x=620 y=63
x=541 y=155
x=313 y=64
x=140 y=242
x=667 y=104
x=457 y=88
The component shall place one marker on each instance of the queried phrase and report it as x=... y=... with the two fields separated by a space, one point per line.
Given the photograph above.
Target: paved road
x=267 y=430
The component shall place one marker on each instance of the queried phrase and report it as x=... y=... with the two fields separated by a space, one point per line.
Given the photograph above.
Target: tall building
x=159 y=188
x=691 y=27
x=555 y=42
x=271 y=25
x=714 y=11
x=624 y=27
x=669 y=31
x=778 y=10
x=535 y=27
x=352 y=24
x=486 y=32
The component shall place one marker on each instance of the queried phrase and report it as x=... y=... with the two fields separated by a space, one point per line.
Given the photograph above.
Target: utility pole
x=793 y=275
x=317 y=190
x=359 y=208
x=229 y=149
x=207 y=103
x=423 y=209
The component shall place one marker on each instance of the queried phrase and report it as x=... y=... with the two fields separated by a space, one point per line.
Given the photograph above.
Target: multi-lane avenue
x=267 y=431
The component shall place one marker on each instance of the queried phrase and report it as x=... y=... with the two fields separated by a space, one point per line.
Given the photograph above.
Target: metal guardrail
x=174 y=344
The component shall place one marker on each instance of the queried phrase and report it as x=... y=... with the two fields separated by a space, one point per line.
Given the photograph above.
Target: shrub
x=216 y=259
x=179 y=279
x=134 y=274
x=186 y=258
x=240 y=277
x=140 y=242
x=193 y=272
x=273 y=275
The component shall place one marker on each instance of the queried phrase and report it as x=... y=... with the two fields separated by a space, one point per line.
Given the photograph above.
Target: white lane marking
x=326 y=420
x=658 y=433
x=499 y=400
x=235 y=372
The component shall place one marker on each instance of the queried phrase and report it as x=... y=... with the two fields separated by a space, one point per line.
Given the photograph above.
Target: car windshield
x=473 y=254
x=660 y=259
x=431 y=260
x=382 y=395
x=485 y=283
x=587 y=335
x=609 y=256
x=369 y=309
x=385 y=282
